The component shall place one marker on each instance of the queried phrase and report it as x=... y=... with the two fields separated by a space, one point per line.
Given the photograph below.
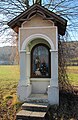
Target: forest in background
x=71 y=52
x=9 y=55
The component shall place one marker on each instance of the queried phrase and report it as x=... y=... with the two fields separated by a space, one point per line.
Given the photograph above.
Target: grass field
x=72 y=72
x=9 y=77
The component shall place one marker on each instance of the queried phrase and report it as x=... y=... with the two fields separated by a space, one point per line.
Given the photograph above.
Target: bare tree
x=67 y=9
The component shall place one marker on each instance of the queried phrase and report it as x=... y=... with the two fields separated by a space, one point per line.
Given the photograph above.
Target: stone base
x=53 y=95
x=23 y=92
x=30 y=111
x=30 y=115
x=37 y=98
x=42 y=107
x=40 y=85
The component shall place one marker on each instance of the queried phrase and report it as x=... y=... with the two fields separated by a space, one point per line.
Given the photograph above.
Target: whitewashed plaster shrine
x=38 y=30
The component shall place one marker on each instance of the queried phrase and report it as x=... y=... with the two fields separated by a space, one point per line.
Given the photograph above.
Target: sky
x=73 y=36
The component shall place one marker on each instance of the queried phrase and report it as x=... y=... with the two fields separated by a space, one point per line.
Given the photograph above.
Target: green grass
x=9 y=76
x=72 y=72
x=76 y=58
x=9 y=72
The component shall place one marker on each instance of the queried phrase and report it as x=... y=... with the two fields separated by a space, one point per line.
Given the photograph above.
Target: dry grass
x=67 y=109
x=9 y=104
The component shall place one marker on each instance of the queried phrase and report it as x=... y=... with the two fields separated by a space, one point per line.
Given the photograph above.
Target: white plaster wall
x=23 y=91
x=50 y=32
x=38 y=26
x=37 y=41
x=53 y=95
x=40 y=85
x=36 y=21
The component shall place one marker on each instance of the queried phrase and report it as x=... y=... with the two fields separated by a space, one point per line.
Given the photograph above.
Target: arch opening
x=37 y=36
x=40 y=61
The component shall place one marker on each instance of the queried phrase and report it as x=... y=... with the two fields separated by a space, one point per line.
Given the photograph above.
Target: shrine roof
x=44 y=12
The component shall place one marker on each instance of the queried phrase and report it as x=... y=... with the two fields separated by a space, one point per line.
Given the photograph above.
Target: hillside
x=8 y=55
x=71 y=52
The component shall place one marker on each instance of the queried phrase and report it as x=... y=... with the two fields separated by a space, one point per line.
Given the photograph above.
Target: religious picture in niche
x=40 y=65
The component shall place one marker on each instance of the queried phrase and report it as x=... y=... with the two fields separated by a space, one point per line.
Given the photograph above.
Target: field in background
x=9 y=104
x=72 y=72
x=9 y=77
